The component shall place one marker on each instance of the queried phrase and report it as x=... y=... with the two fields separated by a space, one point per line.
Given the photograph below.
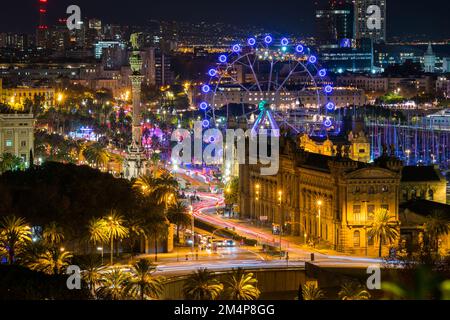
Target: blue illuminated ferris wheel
x=271 y=83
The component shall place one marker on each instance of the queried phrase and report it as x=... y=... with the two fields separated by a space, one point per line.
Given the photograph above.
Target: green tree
x=53 y=261
x=311 y=291
x=353 y=291
x=97 y=154
x=177 y=214
x=91 y=272
x=241 y=286
x=53 y=235
x=113 y=285
x=9 y=162
x=202 y=285
x=115 y=229
x=15 y=235
x=383 y=229
x=142 y=283
x=436 y=225
x=232 y=192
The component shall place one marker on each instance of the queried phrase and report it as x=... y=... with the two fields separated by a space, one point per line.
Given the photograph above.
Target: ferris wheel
x=269 y=83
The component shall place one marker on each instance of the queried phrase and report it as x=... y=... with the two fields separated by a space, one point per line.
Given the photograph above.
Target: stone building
x=359 y=145
x=17 y=135
x=327 y=198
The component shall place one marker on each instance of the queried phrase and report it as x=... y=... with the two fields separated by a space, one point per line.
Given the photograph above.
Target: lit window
x=9 y=143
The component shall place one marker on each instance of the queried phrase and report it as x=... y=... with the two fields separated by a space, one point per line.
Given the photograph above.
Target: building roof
x=426 y=207
x=420 y=173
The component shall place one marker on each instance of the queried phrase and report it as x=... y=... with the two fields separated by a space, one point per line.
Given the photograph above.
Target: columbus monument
x=135 y=162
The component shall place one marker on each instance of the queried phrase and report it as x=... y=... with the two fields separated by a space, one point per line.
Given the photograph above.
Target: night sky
x=405 y=17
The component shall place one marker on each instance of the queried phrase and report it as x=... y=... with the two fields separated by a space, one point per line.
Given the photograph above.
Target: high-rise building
x=42 y=32
x=335 y=22
x=370 y=20
x=163 y=72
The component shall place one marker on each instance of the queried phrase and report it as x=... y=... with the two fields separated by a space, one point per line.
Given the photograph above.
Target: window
x=385 y=189
x=430 y=194
x=9 y=143
x=371 y=190
x=385 y=207
x=370 y=212
x=356 y=239
x=362 y=150
x=23 y=144
x=370 y=241
x=357 y=212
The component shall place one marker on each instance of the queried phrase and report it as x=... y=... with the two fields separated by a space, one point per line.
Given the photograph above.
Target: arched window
x=430 y=194
x=356 y=239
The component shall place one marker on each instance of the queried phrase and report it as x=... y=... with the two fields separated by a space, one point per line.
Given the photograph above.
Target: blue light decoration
x=322 y=72
x=268 y=39
x=328 y=89
x=299 y=48
x=284 y=42
x=327 y=123
x=223 y=58
x=312 y=59
x=236 y=48
x=203 y=106
x=205 y=123
x=206 y=88
x=330 y=106
x=251 y=41
x=345 y=43
x=212 y=72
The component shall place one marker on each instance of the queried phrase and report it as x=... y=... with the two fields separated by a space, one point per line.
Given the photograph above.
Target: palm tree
x=53 y=235
x=113 y=285
x=157 y=229
x=202 y=285
x=353 y=291
x=143 y=284
x=9 y=162
x=115 y=229
x=96 y=153
x=162 y=187
x=97 y=231
x=15 y=234
x=436 y=225
x=136 y=231
x=383 y=229
x=177 y=214
x=241 y=286
x=91 y=273
x=53 y=261
x=311 y=291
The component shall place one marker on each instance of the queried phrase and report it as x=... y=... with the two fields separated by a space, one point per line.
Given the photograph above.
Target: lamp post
x=191 y=210
x=319 y=205
x=257 y=198
x=280 y=194
x=101 y=250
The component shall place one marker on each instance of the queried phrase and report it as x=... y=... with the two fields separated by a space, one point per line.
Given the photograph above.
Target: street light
x=191 y=210
x=319 y=205
x=280 y=194
x=101 y=250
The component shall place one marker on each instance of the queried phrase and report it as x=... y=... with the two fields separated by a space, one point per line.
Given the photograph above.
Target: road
x=205 y=211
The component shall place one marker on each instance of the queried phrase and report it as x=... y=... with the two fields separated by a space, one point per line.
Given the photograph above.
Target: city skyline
x=402 y=15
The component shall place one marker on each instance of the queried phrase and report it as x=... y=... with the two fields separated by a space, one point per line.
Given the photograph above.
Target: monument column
x=136 y=161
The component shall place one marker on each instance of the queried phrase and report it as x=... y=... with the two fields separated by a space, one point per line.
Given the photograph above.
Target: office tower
x=370 y=20
x=335 y=22
x=42 y=32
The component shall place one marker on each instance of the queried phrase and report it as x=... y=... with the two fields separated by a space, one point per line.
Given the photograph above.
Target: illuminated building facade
x=331 y=200
x=17 y=97
x=359 y=145
x=17 y=135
